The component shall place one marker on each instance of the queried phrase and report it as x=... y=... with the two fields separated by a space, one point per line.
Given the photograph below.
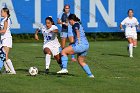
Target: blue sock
x=1 y=64
x=64 y=61
x=87 y=70
x=73 y=56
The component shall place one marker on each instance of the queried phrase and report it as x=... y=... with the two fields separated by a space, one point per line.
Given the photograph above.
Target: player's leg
x=63 y=36
x=47 y=53
x=8 y=61
x=135 y=42
x=130 y=46
x=56 y=53
x=58 y=59
x=66 y=51
x=71 y=40
x=81 y=61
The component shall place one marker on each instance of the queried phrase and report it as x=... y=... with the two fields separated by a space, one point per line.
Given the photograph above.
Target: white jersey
x=50 y=37
x=130 y=24
x=7 y=34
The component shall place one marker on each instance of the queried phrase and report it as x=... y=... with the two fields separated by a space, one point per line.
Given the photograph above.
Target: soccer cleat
x=47 y=71
x=131 y=56
x=11 y=73
x=73 y=60
x=134 y=46
x=91 y=76
x=63 y=71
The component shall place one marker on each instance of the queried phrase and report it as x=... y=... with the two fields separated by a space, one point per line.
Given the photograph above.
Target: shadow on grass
x=43 y=73
x=116 y=55
x=54 y=73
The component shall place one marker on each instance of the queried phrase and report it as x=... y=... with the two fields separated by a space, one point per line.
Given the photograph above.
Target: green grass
x=114 y=71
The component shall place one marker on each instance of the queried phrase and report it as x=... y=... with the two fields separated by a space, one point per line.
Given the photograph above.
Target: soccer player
x=130 y=31
x=6 y=39
x=79 y=47
x=51 y=44
x=66 y=31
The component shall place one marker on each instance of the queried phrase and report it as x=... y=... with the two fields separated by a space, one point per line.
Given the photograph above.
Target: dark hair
x=50 y=19
x=65 y=7
x=7 y=11
x=130 y=10
x=74 y=17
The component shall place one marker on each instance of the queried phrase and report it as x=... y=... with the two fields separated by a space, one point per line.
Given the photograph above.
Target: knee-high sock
x=131 y=49
x=64 y=61
x=48 y=60
x=87 y=70
x=1 y=64
x=6 y=67
x=10 y=65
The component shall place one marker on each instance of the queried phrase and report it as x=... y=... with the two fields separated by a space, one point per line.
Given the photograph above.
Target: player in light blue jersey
x=66 y=31
x=80 y=47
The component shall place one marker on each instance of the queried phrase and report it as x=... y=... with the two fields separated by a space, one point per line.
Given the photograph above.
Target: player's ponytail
x=74 y=17
x=7 y=11
x=50 y=19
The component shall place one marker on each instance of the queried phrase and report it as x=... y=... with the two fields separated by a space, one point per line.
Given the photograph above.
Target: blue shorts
x=63 y=34
x=80 y=49
x=66 y=34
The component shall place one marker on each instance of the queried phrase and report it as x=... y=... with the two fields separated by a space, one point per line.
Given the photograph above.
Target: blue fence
x=96 y=15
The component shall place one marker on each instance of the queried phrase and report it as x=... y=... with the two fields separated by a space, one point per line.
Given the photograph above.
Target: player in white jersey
x=6 y=39
x=51 y=43
x=130 y=31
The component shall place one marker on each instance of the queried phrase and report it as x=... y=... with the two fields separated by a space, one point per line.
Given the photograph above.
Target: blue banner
x=96 y=15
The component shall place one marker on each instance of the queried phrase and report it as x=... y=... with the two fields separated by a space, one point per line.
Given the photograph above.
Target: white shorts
x=53 y=46
x=132 y=35
x=7 y=42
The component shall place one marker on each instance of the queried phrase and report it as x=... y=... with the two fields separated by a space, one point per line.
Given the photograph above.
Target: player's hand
x=66 y=24
x=36 y=37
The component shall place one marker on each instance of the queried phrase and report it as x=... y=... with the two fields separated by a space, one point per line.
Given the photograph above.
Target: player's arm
x=55 y=31
x=59 y=21
x=36 y=34
x=5 y=27
x=121 y=27
x=78 y=35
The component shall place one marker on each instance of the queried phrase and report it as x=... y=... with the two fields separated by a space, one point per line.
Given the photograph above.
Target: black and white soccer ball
x=33 y=71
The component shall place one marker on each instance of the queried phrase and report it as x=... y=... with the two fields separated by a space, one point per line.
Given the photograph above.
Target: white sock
x=10 y=65
x=131 y=49
x=6 y=66
x=48 y=60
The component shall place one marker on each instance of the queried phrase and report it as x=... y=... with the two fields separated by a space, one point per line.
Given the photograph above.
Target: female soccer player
x=130 y=32
x=79 y=47
x=6 y=39
x=66 y=31
x=51 y=44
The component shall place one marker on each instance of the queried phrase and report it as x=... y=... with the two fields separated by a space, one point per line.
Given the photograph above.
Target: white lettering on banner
x=109 y=18
x=60 y=5
x=77 y=9
x=13 y=16
x=37 y=14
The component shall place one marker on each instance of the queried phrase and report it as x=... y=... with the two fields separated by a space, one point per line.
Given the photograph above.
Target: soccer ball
x=33 y=71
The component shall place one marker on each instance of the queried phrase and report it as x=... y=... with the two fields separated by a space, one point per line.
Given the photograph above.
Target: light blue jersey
x=80 y=47
x=83 y=39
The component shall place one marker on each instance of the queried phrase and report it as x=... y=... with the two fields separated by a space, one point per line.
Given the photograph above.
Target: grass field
x=114 y=71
